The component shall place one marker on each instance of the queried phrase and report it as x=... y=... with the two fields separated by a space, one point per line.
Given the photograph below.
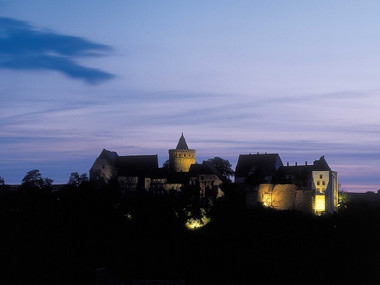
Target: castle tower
x=181 y=157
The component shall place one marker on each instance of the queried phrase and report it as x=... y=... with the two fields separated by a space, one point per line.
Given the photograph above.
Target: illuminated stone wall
x=102 y=169
x=325 y=183
x=279 y=196
x=180 y=160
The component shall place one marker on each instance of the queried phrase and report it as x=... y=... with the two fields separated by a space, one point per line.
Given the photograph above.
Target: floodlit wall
x=280 y=197
x=180 y=160
x=325 y=184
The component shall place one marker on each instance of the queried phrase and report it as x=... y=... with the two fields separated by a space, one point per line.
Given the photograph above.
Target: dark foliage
x=223 y=166
x=62 y=237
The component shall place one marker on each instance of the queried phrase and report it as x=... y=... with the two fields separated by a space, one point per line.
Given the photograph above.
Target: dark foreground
x=61 y=238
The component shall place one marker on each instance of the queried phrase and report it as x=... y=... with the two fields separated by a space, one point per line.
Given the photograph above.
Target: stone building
x=142 y=172
x=181 y=158
x=309 y=188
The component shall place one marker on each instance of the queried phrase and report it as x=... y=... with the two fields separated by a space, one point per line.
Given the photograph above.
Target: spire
x=182 y=143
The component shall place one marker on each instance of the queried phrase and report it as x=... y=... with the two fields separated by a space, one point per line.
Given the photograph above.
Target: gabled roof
x=136 y=165
x=318 y=165
x=321 y=164
x=266 y=163
x=107 y=154
x=182 y=143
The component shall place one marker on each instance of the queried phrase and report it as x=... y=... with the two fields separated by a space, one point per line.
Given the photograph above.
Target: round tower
x=181 y=157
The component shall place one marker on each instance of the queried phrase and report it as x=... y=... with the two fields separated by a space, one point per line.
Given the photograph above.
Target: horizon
x=288 y=77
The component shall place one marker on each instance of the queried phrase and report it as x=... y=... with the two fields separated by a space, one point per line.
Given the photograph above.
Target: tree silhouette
x=223 y=166
x=76 y=179
x=33 y=179
x=2 y=181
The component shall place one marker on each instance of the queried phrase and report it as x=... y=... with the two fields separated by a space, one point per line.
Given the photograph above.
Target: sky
x=298 y=78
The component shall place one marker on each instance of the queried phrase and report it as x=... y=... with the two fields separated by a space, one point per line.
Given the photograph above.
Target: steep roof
x=321 y=164
x=318 y=165
x=107 y=154
x=267 y=163
x=136 y=165
x=182 y=143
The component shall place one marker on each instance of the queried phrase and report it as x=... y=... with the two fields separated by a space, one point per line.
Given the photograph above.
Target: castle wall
x=102 y=169
x=304 y=201
x=281 y=197
x=180 y=160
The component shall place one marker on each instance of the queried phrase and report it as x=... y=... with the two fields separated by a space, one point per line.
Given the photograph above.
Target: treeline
x=61 y=237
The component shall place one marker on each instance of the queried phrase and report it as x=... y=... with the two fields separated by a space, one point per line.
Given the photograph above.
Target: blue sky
x=298 y=78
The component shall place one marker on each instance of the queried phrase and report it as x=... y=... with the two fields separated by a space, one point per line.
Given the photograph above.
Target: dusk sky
x=298 y=78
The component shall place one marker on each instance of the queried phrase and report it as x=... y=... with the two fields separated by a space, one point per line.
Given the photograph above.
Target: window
x=318 y=183
x=320 y=176
x=323 y=182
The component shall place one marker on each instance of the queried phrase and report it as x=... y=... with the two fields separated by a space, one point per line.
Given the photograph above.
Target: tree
x=2 y=181
x=76 y=179
x=33 y=179
x=223 y=166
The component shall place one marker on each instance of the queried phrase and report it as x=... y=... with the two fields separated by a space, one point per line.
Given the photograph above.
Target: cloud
x=23 y=47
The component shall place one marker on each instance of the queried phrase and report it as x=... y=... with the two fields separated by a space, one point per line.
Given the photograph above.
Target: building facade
x=308 y=187
x=135 y=172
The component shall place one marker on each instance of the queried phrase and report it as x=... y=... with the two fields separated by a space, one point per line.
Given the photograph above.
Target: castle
x=266 y=181
x=142 y=171
x=308 y=187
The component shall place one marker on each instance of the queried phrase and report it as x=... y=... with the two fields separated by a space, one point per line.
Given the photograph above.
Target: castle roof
x=182 y=143
x=266 y=163
x=136 y=165
x=318 y=165
x=107 y=154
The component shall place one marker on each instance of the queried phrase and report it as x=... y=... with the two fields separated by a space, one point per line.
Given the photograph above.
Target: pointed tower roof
x=182 y=143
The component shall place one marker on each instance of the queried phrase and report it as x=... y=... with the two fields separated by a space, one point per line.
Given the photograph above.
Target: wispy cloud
x=23 y=47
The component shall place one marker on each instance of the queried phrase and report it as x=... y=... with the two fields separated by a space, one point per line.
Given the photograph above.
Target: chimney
x=287 y=164
x=305 y=162
x=296 y=163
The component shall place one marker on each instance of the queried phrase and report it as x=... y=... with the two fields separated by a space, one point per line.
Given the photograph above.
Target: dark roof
x=107 y=154
x=321 y=164
x=264 y=162
x=136 y=165
x=160 y=172
x=196 y=169
x=182 y=143
x=291 y=170
x=318 y=165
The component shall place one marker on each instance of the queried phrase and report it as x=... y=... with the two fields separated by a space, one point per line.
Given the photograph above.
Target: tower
x=181 y=157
